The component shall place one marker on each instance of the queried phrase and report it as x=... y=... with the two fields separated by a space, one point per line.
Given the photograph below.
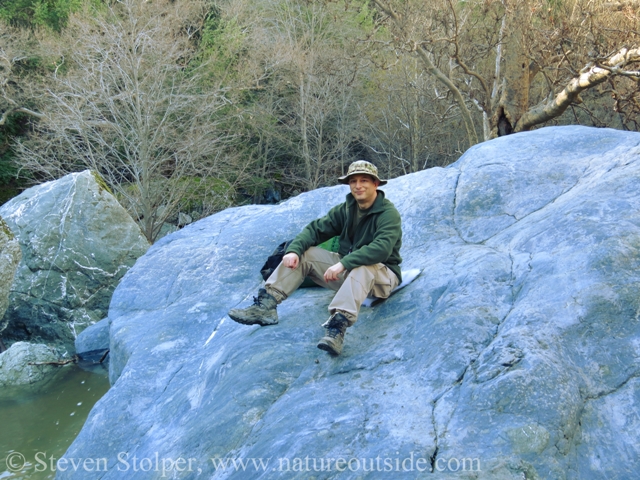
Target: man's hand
x=291 y=260
x=331 y=275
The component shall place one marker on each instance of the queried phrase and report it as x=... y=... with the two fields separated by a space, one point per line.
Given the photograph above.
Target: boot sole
x=262 y=323
x=329 y=349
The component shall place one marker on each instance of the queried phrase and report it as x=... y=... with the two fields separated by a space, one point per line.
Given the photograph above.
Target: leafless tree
x=126 y=100
x=14 y=90
x=307 y=102
x=409 y=124
x=517 y=63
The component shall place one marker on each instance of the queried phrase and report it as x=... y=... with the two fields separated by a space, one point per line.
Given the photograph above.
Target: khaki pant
x=352 y=288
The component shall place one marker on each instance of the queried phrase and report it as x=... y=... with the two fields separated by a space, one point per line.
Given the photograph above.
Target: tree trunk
x=414 y=125
x=306 y=154
x=431 y=68
x=514 y=100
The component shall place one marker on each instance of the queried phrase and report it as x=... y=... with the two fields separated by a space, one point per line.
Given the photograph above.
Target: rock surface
x=10 y=256
x=77 y=242
x=18 y=369
x=94 y=337
x=516 y=353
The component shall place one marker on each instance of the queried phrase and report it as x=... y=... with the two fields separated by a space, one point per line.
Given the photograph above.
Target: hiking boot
x=333 y=338
x=262 y=312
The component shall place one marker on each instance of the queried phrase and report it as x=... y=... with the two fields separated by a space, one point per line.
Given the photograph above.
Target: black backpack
x=274 y=259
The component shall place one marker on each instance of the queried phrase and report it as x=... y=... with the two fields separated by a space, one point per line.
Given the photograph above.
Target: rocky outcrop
x=516 y=353
x=77 y=242
x=26 y=365
x=10 y=256
x=94 y=337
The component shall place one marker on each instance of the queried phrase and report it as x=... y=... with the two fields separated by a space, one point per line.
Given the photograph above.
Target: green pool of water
x=38 y=428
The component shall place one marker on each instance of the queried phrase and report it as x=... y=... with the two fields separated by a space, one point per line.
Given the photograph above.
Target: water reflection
x=37 y=428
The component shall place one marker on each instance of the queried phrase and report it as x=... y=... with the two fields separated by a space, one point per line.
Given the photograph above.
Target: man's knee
x=364 y=273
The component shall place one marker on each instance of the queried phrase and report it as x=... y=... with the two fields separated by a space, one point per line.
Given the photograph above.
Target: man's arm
x=318 y=231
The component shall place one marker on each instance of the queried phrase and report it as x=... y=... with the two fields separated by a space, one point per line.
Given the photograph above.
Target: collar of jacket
x=377 y=203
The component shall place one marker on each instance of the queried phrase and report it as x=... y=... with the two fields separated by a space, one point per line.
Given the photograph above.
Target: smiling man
x=368 y=259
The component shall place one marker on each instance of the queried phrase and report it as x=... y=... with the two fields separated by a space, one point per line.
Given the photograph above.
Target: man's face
x=363 y=188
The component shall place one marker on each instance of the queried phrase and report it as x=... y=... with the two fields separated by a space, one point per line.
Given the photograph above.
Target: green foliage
x=222 y=44
x=10 y=185
x=8 y=168
x=364 y=17
x=36 y=13
x=101 y=181
x=205 y=194
x=555 y=5
x=255 y=186
x=6 y=230
x=7 y=192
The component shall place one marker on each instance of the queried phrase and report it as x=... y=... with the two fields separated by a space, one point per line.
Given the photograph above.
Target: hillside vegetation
x=196 y=105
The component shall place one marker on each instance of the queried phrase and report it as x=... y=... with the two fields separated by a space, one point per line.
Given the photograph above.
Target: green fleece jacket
x=377 y=238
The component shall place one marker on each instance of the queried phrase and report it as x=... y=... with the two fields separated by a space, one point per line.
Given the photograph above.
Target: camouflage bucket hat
x=361 y=167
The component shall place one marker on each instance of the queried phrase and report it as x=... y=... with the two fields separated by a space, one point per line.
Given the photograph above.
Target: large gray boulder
x=94 y=337
x=77 y=242
x=10 y=256
x=26 y=365
x=516 y=353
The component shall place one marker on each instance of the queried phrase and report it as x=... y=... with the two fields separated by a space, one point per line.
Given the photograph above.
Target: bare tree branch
x=130 y=107
x=589 y=77
x=8 y=61
x=423 y=53
x=11 y=111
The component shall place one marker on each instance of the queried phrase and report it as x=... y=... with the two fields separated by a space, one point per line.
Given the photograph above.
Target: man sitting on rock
x=367 y=262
